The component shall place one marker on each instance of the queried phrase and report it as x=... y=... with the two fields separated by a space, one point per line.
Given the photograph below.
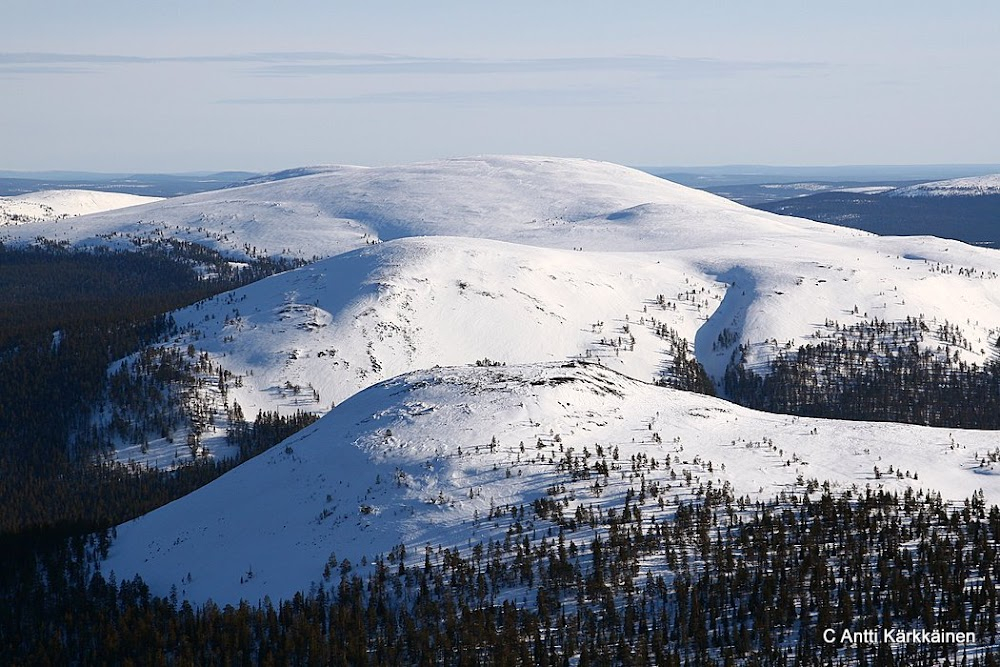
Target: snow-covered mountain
x=310 y=338
x=548 y=202
x=972 y=186
x=295 y=172
x=48 y=205
x=426 y=459
x=531 y=262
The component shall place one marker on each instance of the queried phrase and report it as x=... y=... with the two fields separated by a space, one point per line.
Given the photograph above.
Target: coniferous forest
x=751 y=584
x=737 y=582
x=64 y=317
x=876 y=370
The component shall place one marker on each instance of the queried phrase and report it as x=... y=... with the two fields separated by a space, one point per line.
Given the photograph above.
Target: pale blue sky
x=132 y=86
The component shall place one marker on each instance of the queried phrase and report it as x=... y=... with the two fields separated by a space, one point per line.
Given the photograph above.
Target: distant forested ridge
x=971 y=219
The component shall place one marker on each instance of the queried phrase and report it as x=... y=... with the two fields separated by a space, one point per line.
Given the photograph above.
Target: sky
x=125 y=86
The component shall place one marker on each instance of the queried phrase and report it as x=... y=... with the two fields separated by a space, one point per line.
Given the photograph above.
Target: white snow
x=867 y=189
x=447 y=263
x=808 y=187
x=341 y=324
x=966 y=187
x=47 y=205
x=549 y=202
x=409 y=462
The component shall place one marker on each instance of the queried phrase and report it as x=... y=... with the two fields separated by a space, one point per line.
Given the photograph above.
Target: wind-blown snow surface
x=341 y=324
x=47 y=205
x=409 y=461
x=971 y=186
x=451 y=262
x=548 y=202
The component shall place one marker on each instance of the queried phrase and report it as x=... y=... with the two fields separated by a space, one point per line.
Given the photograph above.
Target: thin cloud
x=657 y=65
x=263 y=57
x=20 y=70
x=321 y=63
x=514 y=97
x=32 y=58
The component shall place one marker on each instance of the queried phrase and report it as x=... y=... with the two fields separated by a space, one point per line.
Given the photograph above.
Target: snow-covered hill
x=289 y=173
x=48 y=205
x=548 y=202
x=310 y=338
x=691 y=266
x=535 y=263
x=971 y=186
x=424 y=460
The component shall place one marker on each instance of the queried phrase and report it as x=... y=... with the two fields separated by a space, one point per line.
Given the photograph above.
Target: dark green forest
x=64 y=317
x=878 y=371
x=692 y=575
x=748 y=584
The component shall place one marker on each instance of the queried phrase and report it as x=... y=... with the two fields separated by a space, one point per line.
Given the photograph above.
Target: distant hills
x=151 y=185
x=554 y=304
x=965 y=209
x=972 y=186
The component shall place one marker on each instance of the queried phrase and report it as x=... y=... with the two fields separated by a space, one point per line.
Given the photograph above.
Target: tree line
x=65 y=315
x=738 y=582
x=879 y=371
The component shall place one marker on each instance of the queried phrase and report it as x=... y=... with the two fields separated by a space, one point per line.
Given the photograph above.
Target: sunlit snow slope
x=341 y=324
x=535 y=263
x=727 y=275
x=413 y=461
x=549 y=202
x=48 y=205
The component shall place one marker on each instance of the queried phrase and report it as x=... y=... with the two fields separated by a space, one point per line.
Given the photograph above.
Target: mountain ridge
x=432 y=274
x=424 y=458
x=551 y=202
x=717 y=280
x=970 y=186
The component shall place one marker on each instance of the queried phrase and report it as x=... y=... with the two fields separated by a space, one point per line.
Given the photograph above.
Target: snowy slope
x=410 y=461
x=728 y=275
x=971 y=186
x=342 y=324
x=548 y=202
x=290 y=173
x=48 y=205
x=447 y=263
x=339 y=325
